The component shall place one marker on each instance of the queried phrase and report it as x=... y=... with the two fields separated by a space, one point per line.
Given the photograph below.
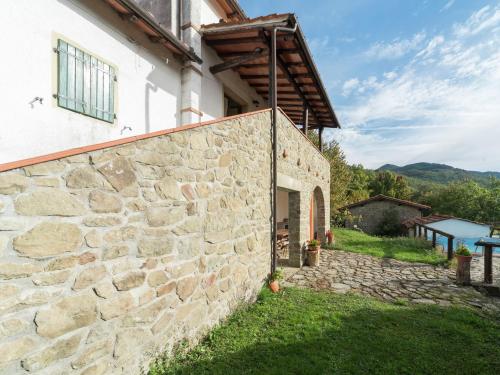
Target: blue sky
x=411 y=80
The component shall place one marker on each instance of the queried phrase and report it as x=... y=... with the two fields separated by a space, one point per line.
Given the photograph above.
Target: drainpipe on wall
x=273 y=98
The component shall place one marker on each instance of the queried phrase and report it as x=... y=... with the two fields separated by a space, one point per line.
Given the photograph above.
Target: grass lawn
x=407 y=249
x=301 y=331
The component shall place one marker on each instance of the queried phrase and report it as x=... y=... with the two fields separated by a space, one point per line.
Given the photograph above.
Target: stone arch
x=317 y=217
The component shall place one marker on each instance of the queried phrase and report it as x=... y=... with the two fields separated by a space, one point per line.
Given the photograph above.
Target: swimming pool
x=469 y=242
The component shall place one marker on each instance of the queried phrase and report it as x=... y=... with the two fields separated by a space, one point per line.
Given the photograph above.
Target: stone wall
x=303 y=171
x=108 y=257
x=370 y=215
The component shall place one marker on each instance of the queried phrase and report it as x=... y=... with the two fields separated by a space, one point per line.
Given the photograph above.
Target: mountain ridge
x=438 y=173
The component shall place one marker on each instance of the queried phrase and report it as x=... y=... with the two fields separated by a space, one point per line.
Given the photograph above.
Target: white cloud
x=485 y=18
x=442 y=106
x=349 y=86
x=390 y=75
x=395 y=49
x=447 y=6
x=431 y=46
x=321 y=46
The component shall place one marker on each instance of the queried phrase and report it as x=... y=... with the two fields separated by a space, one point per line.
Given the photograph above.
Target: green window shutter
x=85 y=84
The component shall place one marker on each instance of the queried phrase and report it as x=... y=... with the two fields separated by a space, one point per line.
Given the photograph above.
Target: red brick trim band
x=99 y=146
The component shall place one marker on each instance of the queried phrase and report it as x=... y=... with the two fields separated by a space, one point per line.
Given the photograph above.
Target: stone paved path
x=390 y=280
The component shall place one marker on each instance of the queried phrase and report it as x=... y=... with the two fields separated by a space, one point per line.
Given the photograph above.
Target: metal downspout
x=273 y=97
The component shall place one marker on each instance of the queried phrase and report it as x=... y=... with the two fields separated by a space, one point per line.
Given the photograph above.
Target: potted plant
x=464 y=258
x=274 y=279
x=313 y=249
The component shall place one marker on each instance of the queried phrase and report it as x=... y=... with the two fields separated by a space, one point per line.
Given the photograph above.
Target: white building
x=160 y=80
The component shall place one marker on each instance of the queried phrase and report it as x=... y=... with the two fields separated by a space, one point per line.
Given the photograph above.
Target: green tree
x=340 y=174
x=468 y=200
x=358 y=186
x=491 y=202
x=390 y=184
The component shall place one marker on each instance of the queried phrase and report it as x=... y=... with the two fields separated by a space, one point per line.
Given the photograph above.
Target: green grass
x=407 y=249
x=300 y=331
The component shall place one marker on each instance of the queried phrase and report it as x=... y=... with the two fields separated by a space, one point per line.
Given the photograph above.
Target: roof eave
x=215 y=28
x=164 y=33
x=237 y=9
x=287 y=20
x=308 y=55
x=381 y=197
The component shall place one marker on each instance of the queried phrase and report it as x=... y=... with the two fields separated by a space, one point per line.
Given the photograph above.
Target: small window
x=85 y=83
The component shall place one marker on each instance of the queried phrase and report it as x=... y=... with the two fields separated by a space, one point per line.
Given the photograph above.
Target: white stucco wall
x=461 y=229
x=214 y=86
x=148 y=87
x=282 y=205
x=210 y=12
x=148 y=91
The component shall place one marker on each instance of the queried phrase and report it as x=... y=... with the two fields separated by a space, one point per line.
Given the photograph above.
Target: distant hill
x=437 y=173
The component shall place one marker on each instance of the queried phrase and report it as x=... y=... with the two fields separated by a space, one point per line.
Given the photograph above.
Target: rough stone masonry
x=111 y=256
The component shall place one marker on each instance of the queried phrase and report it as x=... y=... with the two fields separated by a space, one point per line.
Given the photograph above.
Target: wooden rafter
x=258 y=53
x=298 y=83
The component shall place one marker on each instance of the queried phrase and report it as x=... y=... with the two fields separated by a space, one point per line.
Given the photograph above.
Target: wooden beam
x=302 y=94
x=488 y=264
x=281 y=51
x=156 y=39
x=291 y=100
x=231 y=41
x=259 y=52
x=305 y=120
x=302 y=75
x=236 y=53
x=266 y=85
x=450 y=248
x=321 y=138
x=259 y=90
x=265 y=65
x=259 y=76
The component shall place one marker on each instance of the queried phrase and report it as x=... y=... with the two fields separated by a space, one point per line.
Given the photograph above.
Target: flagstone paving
x=390 y=280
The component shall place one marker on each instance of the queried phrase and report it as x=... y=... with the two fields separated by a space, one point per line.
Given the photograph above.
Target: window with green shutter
x=85 y=83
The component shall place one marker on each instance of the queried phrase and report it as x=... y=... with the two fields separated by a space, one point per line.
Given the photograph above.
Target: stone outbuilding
x=368 y=214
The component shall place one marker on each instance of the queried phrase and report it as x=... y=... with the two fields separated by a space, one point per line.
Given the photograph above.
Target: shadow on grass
x=346 y=335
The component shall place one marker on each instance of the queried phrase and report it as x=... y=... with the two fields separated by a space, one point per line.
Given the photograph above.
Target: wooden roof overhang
x=156 y=33
x=232 y=9
x=244 y=47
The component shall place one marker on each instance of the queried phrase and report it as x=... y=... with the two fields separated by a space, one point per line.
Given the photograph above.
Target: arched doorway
x=317 y=225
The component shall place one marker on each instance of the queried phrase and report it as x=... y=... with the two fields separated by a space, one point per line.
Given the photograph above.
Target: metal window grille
x=85 y=84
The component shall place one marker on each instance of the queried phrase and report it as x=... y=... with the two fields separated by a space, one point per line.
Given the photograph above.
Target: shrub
x=390 y=224
x=277 y=275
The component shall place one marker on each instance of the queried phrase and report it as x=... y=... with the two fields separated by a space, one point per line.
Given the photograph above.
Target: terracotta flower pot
x=313 y=248
x=463 y=269
x=274 y=286
x=313 y=257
